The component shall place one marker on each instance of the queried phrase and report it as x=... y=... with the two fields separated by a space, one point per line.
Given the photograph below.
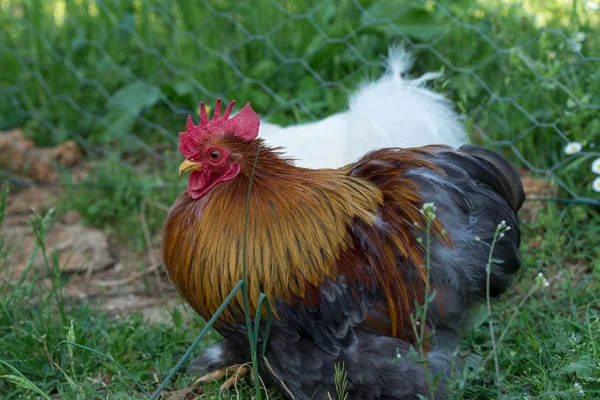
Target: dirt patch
x=77 y=247
x=189 y=393
x=95 y=269
x=20 y=156
x=535 y=187
x=21 y=203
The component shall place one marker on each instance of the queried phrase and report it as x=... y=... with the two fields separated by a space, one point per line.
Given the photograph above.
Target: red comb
x=243 y=125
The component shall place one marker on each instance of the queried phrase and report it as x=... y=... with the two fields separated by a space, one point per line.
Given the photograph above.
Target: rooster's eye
x=214 y=155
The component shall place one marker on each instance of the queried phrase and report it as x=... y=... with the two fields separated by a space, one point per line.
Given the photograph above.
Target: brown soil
x=96 y=269
x=535 y=187
x=20 y=156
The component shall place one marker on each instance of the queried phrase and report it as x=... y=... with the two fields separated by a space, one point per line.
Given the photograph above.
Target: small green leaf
x=473 y=361
x=577 y=162
x=135 y=97
x=118 y=123
x=262 y=68
x=476 y=316
x=384 y=17
x=124 y=108
x=78 y=42
x=583 y=369
x=177 y=317
x=326 y=14
x=182 y=88
x=314 y=44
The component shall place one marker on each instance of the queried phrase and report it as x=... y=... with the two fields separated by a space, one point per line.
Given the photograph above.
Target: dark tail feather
x=501 y=175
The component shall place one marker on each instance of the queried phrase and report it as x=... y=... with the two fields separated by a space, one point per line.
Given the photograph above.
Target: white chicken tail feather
x=393 y=111
x=398 y=62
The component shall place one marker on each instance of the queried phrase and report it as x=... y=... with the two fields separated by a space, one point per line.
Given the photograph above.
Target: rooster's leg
x=223 y=359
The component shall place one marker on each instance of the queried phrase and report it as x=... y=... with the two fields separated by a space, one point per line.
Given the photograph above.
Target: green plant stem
x=251 y=337
x=509 y=324
x=426 y=306
x=196 y=342
x=41 y=227
x=423 y=309
x=427 y=286
x=489 y=306
x=3 y=201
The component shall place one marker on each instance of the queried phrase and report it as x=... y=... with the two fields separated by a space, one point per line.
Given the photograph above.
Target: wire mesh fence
x=111 y=82
x=93 y=93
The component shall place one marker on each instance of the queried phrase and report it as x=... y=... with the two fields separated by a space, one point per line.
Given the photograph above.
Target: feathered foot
x=221 y=360
x=239 y=371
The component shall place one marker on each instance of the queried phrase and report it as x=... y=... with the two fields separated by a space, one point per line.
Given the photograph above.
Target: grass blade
x=196 y=342
x=20 y=380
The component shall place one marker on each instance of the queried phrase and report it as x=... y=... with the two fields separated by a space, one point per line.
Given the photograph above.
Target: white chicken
x=393 y=111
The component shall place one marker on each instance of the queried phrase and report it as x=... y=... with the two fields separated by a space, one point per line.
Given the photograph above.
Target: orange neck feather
x=297 y=226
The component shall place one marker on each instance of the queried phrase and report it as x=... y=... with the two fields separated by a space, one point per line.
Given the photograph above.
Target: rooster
x=393 y=111
x=338 y=254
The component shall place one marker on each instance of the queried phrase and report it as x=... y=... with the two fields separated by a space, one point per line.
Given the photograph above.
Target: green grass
x=553 y=342
x=120 y=77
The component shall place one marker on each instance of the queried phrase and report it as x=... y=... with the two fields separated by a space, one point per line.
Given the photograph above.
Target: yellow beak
x=189 y=166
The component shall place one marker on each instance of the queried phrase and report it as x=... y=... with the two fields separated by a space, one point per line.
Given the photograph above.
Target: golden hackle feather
x=299 y=228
